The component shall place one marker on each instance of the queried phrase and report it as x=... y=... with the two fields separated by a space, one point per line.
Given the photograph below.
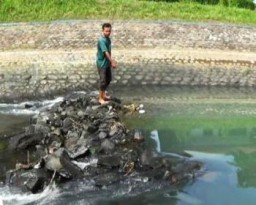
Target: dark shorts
x=105 y=77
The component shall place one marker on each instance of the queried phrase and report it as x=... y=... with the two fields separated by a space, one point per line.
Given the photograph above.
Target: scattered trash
x=142 y=111
x=133 y=108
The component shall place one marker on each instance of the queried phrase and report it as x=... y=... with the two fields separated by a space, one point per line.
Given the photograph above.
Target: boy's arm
x=113 y=64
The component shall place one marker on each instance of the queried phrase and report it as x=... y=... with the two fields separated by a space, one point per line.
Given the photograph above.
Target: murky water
x=14 y=118
x=214 y=125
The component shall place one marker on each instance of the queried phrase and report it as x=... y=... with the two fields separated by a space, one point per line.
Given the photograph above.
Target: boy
x=104 y=62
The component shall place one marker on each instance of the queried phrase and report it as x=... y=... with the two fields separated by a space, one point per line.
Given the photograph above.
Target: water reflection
x=216 y=127
x=227 y=179
x=221 y=183
x=246 y=160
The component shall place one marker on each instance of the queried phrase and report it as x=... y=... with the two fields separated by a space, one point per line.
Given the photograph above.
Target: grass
x=49 y=10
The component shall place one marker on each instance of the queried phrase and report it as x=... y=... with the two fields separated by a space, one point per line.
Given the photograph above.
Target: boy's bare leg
x=101 y=97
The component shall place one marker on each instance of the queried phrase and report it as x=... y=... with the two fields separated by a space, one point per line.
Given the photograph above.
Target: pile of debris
x=79 y=138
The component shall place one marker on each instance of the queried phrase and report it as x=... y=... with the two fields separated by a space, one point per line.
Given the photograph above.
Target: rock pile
x=80 y=139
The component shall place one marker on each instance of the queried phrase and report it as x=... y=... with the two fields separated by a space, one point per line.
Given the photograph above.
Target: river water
x=214 y=125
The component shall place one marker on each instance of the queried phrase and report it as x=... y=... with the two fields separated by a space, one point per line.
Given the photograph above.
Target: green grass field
x=49 y=10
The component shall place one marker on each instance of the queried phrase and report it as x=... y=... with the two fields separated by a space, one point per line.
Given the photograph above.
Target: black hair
x=106 y=25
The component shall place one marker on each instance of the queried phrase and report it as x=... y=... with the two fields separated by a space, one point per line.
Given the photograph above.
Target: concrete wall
x=44 y=58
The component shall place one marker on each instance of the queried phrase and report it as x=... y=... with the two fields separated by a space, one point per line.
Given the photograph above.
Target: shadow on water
x=10 y=124
x=13 y=119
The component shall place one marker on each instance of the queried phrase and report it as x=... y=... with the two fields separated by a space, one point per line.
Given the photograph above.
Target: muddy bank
x=79 y=139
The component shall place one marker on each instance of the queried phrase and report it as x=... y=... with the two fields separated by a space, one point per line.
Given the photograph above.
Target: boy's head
x=106 y=29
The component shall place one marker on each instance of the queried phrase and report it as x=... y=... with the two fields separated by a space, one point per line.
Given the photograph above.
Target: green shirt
x=104 y=44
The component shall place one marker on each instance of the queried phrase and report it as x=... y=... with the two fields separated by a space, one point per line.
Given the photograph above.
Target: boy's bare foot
x=107 y=98
x=102 y=102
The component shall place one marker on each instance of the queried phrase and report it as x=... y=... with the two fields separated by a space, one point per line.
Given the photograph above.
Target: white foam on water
x=80 y=92
x=211 y=156
x=155 y=137
x=122 y=191
x=83 y=165
x=50 y=103
x=49 y=193
x=34 y=107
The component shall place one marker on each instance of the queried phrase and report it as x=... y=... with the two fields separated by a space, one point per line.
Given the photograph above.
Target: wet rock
x=55 y=145
x=138 y=136
x=104 y=127
x=111 y=116
x=67 y=164
x=32 y=180
x=95 y=107
x=76 y=147
x=92 y=128
x=69 y=109
x=146 y=157
x=113 y=131
x=41 y=151
x=40 y=128
x=28 y=105
x=60 y=161
x=88 y=111
x=30 y=129
x=116 y=100
x=67 y=123
x=109 y=161
x=132 y=155
x=102 y=135
x=53 y=163
x=107 y=146
x=183 y=170
x=58 y=122
x=63 y=114
x=56 y=132
x=24 y=141
x=80 y=114
x=72 y=134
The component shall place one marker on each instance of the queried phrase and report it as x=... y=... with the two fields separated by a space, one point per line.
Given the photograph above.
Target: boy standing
x=104 y=62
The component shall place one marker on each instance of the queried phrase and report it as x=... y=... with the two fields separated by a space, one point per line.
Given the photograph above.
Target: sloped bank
x=80 y=139
x=40 y=59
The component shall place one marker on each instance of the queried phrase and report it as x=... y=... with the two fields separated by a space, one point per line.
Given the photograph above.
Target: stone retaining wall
x=127 y=34
x=44 y=58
